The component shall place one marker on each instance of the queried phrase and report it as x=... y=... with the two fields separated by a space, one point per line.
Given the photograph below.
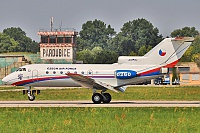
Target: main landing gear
x=103 y=97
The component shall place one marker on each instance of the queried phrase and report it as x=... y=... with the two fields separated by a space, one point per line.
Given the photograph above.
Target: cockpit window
x=21 y=69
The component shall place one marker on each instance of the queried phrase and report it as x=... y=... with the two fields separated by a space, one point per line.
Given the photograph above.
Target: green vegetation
x=186 y=31
x=136 y=37
x=10 y=87
x=132 y=93
x=110 y=120
x=95 y=120
x=97 y=55
x=19 y=41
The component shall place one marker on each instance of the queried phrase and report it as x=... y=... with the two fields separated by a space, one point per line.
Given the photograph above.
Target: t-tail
x=165 y=54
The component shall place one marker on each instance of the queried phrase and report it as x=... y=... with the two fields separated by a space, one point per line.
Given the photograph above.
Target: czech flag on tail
x=162 y=52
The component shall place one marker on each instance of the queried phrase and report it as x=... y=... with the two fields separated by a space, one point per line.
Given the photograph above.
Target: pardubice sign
x=56 y=53
x=57 y=44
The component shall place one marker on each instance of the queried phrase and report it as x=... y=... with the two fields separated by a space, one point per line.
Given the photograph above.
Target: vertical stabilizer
x=169 y=51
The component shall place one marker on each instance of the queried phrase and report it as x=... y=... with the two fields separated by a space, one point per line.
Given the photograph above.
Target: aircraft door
x=34 y=74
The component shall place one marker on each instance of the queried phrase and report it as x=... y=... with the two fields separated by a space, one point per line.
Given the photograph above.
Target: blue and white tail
x=165 y=54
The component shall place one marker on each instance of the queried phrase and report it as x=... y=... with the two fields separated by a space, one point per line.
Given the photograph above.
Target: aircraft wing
x=88 y=82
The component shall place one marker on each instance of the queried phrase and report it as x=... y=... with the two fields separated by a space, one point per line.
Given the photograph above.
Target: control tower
x=58 y=44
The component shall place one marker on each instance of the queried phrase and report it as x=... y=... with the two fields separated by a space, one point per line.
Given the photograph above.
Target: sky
x=33 y=15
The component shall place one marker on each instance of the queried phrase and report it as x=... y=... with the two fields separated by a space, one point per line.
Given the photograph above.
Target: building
x=188 y=73
x=58 y=44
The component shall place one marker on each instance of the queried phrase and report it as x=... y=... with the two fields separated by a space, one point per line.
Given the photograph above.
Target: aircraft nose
x=4 y=80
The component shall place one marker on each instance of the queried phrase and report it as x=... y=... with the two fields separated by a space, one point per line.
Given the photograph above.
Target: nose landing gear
x=31 y=97
x=31 y=93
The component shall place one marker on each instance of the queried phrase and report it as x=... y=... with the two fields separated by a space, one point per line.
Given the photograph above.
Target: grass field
x=132 y=93
x=97 y=120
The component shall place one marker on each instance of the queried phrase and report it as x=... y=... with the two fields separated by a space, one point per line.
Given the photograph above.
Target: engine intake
x=164 y=70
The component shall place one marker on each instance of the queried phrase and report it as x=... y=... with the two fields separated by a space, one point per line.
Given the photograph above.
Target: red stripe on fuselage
x=150 y=71
x=158 y=69
x=28 y=81
x=171 y=64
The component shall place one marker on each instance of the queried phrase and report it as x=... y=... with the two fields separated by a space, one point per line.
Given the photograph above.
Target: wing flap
x=86 y=81
x=82 y=80
x=106 y=86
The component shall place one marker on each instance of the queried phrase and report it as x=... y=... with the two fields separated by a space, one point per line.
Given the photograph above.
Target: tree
x=185 y=32
x=86 y=56
x=35 y=47
x=94 y=33
x=97 y=56
x=187 y=56
x=7 y=44
x=143 y=50
x=25 y=44
x=196 y=59
x=134 y=35
x=196 y=51
x=104 y=56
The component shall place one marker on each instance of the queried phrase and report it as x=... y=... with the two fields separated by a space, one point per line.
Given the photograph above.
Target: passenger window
x=54 y=72
x=47 y=72
x=61 y=72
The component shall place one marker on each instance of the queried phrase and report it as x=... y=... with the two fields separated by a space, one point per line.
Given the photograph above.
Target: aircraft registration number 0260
x=125 y=74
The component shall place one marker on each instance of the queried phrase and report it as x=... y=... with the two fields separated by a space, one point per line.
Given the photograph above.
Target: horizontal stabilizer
x=184 y=39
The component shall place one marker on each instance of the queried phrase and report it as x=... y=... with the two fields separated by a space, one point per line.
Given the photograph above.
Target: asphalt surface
x=90 y=104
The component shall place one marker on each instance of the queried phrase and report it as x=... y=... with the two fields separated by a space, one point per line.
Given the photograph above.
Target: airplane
x=102 y=77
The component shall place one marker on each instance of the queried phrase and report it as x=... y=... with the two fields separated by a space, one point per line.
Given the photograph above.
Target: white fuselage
x=47 y=75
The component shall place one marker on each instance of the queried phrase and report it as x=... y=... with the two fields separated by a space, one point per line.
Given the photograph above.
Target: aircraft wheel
x=31 y=97
x=106 y=98
x=97 y=98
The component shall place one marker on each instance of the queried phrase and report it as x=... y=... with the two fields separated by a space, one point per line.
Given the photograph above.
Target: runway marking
x=90 y=104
